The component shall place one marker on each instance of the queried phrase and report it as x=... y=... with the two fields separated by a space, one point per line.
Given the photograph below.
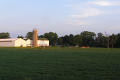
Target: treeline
x=4 y=35
x=85 y=38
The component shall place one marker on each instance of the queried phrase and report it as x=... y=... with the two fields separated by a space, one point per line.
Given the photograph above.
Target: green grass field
x=59 y=64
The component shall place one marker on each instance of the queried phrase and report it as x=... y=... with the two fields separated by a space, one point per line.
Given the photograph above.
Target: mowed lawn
x=59 y=64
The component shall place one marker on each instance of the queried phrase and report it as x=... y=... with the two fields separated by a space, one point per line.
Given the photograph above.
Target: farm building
x=19 y=42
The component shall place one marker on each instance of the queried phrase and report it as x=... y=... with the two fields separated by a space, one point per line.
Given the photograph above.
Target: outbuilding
x=19 y=42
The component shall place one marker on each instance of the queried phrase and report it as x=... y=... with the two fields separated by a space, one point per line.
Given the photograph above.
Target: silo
x=35 y=38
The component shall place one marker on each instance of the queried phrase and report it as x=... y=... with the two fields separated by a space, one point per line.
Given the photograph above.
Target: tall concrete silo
x=35 y=38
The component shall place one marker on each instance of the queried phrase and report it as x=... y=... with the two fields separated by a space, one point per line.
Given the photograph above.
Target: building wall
x=6 y=43
x=43 y=42
x=28 y=43
x=20 y=43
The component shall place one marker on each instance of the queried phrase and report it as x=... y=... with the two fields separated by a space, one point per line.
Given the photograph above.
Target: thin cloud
x=105 y=3
x=82 y=12
x=79 y=22
x=88 y=12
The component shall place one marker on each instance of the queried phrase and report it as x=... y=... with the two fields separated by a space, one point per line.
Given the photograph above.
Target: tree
x=19 y=36
x=29 y=35
x=108 y=40
x=71 y=39
x=77 y=40
x=113 y=39
x=52 y=37
x=4 y=35
x=88 y=38
x=41 y=36
x=100 y=40
x=66 y=40
x=117 y=41
x=60 y=41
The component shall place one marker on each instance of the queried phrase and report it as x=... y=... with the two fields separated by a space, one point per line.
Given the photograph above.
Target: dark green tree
x=71 y=39
x=60 y=41
x=88 y=38
x=117 y=40
x=52 y=37
x=113 y=39
x=77 y=40
x=41 y=36
x=4 y=35
x=100 y=40
x=20 y=36
x=66 y=40
x=29 y=35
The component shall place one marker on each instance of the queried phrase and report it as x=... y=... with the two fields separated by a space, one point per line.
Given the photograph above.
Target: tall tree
x=66 y=40
x=4 y=35
x=113 y=39
x=29 y=35
x=117 y=45
x=60 y=41
x=77 y=40
x=88 y=38
x=108 y=40
x=71 y=39
x=100 y=40
x=52 y=37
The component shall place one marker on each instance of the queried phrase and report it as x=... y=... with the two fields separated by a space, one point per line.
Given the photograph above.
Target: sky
x=61 y=16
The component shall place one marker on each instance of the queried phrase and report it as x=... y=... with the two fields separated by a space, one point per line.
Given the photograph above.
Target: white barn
x=18 y=42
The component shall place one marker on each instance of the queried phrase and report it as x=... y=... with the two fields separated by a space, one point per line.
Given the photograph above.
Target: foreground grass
x=59 y=64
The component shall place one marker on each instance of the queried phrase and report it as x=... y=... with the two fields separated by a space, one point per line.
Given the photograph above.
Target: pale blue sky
x=61 y=16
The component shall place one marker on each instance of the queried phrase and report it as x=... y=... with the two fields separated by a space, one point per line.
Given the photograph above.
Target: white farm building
x=19 y=42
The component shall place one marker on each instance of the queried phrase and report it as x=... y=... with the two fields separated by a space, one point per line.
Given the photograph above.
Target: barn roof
x=13 y=39
x=10 y=39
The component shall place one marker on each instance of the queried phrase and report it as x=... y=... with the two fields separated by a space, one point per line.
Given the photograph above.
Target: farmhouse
x=19 y=42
